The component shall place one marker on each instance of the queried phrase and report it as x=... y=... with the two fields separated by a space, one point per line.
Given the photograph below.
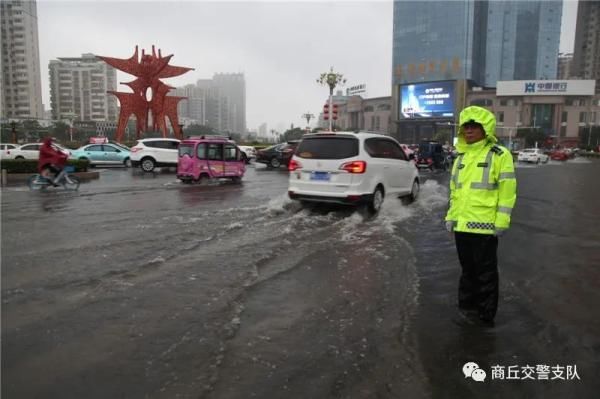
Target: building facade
x=443 y=49
x=586 y=57
x=371 y=114
x=565 y=66
x=20 y=79
x=78 y=89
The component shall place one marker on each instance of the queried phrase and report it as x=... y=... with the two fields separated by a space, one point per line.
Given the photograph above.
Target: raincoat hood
x=482 y=116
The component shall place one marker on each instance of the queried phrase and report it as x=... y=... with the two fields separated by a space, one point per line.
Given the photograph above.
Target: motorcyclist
x=51 y=160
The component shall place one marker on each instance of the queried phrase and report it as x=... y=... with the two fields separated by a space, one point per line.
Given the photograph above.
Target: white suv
x=151 y=153
x=532 y=155
x=351 y=168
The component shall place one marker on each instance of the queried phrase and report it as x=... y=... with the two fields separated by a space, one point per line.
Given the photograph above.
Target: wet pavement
x=138 y=286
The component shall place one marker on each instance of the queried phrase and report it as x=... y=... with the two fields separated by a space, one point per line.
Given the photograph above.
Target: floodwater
x=138 y=286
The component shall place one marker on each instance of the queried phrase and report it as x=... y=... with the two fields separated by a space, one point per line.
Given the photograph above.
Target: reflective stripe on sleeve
x=507 y=175
x=505 y=209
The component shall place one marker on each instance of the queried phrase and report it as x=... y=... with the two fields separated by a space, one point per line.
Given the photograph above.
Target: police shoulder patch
x=496 y=150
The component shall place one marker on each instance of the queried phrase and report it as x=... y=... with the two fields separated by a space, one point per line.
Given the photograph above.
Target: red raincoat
x=50 y=155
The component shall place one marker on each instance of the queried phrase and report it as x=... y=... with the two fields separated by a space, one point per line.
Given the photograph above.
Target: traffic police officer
x=483 y=191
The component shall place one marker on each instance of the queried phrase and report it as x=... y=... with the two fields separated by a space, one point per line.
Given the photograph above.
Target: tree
x=293 y=134
x=60 y=131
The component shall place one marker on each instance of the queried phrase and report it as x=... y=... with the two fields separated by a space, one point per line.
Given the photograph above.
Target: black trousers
x=478 y=286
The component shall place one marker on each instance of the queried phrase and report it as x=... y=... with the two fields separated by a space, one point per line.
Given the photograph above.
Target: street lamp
x=308 y=116
x=331 y=79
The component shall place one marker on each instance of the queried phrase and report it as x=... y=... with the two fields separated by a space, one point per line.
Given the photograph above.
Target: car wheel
x=147 y=164
x=537 y=161
x=203 y=180
x=274 y=163
x=546 y=160
x=414 y=191
x=376 y=201
x=19 y=157
x=127 y=163
x=236 y=179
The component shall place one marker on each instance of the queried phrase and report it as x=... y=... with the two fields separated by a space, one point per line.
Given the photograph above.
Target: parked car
x=558 y=155
x=205 y=158
x=351 y=168
x=152 y=153
x=248 y=153
x=410 y=153
x=32 y=151
x=277 y=155
x=108 y=154
x=432 y=155
x=6 y=150
x=535 y=155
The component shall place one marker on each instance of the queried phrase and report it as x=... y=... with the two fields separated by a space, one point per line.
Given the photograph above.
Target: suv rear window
x=328 y=147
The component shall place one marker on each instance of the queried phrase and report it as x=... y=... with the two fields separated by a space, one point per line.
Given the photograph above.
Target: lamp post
x=331 y=79
x=308 y=116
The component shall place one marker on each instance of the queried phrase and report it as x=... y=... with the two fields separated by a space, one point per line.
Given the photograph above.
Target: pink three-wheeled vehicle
x=204 y=158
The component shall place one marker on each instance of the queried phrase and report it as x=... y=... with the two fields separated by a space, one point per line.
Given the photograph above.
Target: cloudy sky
x=280 y=46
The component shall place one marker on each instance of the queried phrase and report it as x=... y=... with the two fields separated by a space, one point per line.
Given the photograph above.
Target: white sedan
x=534 y=155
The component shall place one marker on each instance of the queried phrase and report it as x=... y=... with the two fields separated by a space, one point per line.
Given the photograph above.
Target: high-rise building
x=586 y=58
x=565 y=66
x=20 y=79
x=441 y=49
x=219 y=102
x=231 y=103
x=78 y=89
x=193 y=108
x=476 y=40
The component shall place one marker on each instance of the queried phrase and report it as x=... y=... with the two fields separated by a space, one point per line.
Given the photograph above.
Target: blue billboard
x=427 y=100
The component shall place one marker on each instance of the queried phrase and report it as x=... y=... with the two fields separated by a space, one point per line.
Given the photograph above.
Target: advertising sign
x=546 y=87
x=361 y=88
x=427 y=100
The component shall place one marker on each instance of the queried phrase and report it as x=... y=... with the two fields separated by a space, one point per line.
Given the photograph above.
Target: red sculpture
x=148 y=70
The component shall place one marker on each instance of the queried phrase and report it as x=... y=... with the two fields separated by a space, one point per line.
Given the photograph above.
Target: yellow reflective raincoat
x=483 y=187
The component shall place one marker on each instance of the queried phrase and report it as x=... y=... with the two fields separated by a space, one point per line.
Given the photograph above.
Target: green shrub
x=30 y=165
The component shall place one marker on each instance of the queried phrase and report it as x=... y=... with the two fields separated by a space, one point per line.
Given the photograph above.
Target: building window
x=503 y=103
x=592 y=117
x=501 y=116
x=564 y=116
x=482 y=102
x=563 y=131
x=582 y=117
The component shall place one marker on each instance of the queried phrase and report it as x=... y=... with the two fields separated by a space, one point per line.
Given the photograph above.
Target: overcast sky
x=280 y=46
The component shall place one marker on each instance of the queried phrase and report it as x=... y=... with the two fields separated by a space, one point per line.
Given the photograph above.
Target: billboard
x=546 y=87
x=427 y=100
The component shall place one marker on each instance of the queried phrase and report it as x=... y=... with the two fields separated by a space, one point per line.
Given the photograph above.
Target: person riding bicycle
x=52 y=159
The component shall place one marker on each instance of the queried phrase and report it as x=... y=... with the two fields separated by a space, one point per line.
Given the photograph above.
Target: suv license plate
x=319 y=176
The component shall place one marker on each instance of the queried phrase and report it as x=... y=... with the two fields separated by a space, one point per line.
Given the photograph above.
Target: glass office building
x=473 y=43
x=476 y=40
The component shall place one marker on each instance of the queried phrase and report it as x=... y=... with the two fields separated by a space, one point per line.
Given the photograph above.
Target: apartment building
x=20 y=79
x=78 y=89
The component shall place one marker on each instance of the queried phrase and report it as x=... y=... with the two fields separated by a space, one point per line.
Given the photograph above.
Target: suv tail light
x=354 y=167
x=135 y=149
x=293 y=165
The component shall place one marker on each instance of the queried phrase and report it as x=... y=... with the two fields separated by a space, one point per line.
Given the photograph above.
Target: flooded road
x=137 y=286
